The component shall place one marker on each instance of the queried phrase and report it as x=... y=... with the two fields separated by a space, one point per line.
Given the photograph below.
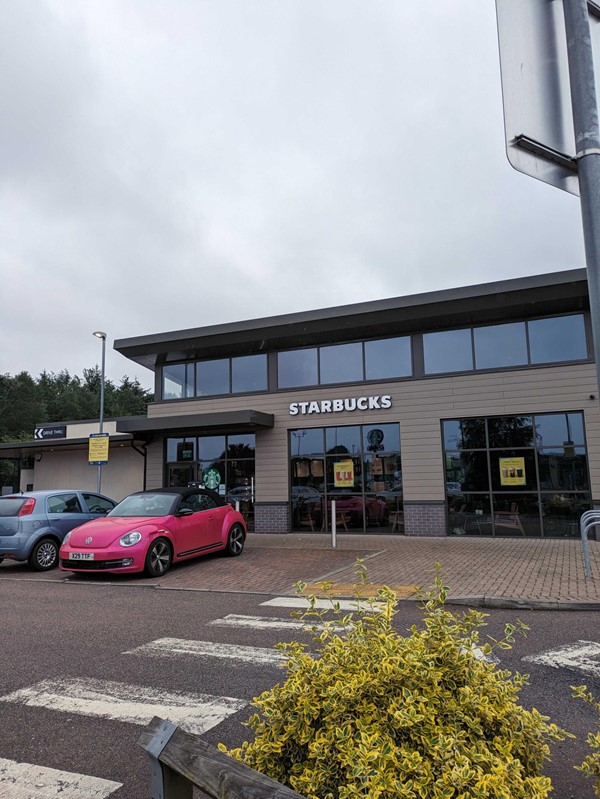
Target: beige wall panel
x=122 y=475
x=83 y=429
x=418 y=405
x=154 y=465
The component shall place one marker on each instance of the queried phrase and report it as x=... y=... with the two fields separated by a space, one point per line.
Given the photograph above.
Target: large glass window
x=249 y=373
x=212 y=377
x=297 y=368
x=516 y=475
x=225 y=464
x=358 y=468
x=448 y=351
x=178 y=381
x=499 y=346
x=561 y=338
x=341 y=363
x=387 y=358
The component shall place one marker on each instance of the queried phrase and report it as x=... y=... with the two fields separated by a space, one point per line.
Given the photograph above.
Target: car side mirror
x=185 y=512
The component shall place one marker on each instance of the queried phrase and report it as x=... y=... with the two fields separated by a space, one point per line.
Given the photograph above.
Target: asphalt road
x=58 y=640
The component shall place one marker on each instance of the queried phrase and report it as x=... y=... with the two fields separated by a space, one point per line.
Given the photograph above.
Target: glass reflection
x=563 y=469
x=341 y=363
x=212 y=377
x=297 y=368
x=341 y=440
x=211 y=447
x=559 y=428
x=307 y=442
x=510 y=431
x=513 y=470
x=561 y=338
x=464 y=434
x=449 y=351
x=498 y=346
x=388 y=357
x=249 y=373
x=381 y=438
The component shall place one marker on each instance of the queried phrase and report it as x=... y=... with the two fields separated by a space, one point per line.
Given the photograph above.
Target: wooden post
x=187 y=760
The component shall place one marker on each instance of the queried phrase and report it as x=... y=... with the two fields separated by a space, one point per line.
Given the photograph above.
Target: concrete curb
x=510 y=603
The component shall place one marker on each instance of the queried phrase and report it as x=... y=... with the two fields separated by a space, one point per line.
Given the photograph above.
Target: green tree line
x=26 y=401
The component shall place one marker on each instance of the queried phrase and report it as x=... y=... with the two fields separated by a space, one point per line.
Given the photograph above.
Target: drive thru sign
x=98 y=449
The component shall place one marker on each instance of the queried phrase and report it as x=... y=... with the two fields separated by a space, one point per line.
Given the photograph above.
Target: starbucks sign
x=212 y=478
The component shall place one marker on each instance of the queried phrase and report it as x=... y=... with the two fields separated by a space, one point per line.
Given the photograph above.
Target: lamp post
x=99 y=334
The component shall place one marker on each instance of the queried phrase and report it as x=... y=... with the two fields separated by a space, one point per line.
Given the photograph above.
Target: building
x=470 y=411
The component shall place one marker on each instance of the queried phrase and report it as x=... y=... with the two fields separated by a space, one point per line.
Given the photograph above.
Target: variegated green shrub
x=378 y=715
x=591 y=764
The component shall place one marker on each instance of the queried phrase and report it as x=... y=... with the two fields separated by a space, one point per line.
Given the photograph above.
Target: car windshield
x=10 y=506
x=145 y=505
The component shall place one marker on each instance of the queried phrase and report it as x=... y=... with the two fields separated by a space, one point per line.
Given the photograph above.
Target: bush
x=378 y=715
x=591 y=764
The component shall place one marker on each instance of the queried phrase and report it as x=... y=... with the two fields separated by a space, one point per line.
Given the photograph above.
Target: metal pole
x=333 y=525
x=587 y=145
x=99 y=334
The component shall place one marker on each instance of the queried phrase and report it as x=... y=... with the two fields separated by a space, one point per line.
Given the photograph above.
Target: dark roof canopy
x=558 y=292
x=219 y=422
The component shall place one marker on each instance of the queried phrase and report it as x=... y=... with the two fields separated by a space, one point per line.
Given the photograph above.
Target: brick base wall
x=271 y=517
x=425 y=518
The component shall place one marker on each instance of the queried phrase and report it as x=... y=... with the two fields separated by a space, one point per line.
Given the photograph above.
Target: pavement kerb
x=477 y=600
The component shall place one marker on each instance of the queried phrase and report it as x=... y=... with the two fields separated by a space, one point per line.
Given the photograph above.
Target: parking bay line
x=28 y=781
x=174 y=647
x=136 y=704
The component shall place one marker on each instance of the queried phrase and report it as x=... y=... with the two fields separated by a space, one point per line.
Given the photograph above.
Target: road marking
x=267 y=623
x=26 y=781
x=173 y=647
x=581 y=656
x=136 y=704
x=323 y=604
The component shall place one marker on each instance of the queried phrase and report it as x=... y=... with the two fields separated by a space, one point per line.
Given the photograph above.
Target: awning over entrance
x=223 y=421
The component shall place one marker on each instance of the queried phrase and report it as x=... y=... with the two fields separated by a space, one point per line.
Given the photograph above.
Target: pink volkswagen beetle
x=150 y=530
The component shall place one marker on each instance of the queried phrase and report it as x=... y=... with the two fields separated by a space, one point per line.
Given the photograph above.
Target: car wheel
x=44 y=555
x=158 y=557
x=235 y=541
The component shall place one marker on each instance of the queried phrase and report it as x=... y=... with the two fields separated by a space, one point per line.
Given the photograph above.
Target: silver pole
x=587 y=145
x=333 y=525
x=99 y=334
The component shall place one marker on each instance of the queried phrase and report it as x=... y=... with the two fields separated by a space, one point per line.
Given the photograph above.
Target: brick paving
x=533 y=570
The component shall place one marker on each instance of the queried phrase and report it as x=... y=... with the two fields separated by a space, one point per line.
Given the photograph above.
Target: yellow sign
x=98 y=449
x=343 y=474
x=512 y=472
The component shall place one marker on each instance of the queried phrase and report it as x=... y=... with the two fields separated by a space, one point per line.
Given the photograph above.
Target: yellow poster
x=343 y=474
x=512 y=472
x=98 y=449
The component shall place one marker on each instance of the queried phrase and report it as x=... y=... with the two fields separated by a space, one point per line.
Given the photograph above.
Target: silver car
x=33 y=525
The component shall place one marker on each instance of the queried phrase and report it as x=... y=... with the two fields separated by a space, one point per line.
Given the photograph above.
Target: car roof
x=48 y=492
x=183 y=492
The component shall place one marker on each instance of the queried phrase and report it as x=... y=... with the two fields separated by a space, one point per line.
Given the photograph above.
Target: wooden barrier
x=181 y=760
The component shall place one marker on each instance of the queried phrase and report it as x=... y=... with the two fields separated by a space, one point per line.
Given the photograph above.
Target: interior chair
x=510 y=519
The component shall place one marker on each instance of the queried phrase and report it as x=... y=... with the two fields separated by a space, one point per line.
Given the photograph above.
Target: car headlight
x=66 y=538
x=129 y=539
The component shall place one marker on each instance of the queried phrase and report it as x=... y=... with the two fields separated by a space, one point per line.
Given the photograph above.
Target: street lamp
x=101 y=335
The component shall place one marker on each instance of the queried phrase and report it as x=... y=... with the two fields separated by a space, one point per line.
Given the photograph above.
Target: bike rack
x=589 y=519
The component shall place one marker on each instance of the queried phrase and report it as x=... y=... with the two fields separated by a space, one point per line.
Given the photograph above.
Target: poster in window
x=512 y=471
x=343 y=474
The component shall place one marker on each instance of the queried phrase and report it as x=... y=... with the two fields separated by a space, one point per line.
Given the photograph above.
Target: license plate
x=81 y=556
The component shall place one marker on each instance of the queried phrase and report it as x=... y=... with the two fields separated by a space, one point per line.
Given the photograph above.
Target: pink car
x=148 y=531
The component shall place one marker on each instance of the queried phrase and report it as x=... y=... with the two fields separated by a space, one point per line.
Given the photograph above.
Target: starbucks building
x=470 y=411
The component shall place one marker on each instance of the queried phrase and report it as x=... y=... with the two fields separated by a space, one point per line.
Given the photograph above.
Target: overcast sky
x=168 y=164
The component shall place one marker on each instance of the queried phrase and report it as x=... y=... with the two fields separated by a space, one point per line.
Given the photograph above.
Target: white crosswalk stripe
x=28 y=781
x=582 y=656
x=137 y=704
x=265 y=623
x=175 y=647
x=323 y=604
